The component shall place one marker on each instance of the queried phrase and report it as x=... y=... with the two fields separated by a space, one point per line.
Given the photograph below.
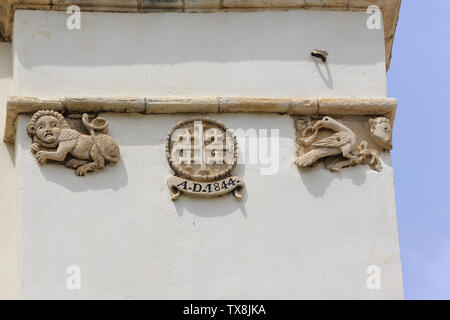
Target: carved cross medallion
x=202 y=152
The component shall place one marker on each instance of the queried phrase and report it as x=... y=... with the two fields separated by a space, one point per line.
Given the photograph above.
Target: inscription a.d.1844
x=179 y=185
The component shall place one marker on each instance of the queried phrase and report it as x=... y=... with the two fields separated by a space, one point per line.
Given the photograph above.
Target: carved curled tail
x=102 y=128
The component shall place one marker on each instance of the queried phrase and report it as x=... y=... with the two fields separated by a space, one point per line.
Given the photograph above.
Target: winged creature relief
x=343 y=144
x=53 y=139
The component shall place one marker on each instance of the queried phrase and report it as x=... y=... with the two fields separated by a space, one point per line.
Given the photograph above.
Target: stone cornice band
x=291 y=106
x=390 y=9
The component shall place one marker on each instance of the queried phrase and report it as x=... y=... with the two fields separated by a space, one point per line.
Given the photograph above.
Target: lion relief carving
x=54 y=140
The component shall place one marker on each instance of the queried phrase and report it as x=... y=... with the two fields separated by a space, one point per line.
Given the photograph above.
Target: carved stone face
x=381 y=132
x=48 y=129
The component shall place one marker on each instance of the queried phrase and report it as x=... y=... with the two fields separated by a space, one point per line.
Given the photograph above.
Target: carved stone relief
x=381 y=132
x=348 y=141
x=202 y=152
x=80 y=144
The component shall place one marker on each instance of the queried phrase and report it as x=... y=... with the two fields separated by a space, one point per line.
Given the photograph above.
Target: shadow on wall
x=326 y=76
x=173 y=38
x=5 y=78
x=318 y=179
x=113 y=176
x=227 y=203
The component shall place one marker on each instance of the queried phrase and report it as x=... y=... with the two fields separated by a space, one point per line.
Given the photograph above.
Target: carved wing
x=335 y=141
x=68 y=134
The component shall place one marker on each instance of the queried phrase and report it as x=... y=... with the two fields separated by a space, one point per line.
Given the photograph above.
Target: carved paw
x=304 y=162
x=41 y=157
x=35 y=147
x=81 y=171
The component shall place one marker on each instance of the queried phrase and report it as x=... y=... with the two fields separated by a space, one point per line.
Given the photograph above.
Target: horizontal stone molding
x=389 y=8
x=291 y=106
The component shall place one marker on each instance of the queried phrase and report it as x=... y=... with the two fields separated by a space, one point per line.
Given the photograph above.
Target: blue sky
x=419 y=79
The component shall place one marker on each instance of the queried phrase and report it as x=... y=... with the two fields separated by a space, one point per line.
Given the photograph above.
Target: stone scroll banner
x=179 y=185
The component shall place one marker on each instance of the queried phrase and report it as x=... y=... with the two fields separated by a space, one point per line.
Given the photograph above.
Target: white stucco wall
x=296 y=234
x=8 y=217
x=251 y=54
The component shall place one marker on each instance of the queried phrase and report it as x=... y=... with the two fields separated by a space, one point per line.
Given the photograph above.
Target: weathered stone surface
x=363 y=4
x=356 y=105
x=27 y=6
x=21 y=105
x=101 y=6
x=86 y=5
x=327 y=3
x=389 y=43
x=346 y=141
x=263 y=3
x=5 y=21
x=296 y=106
x=162 y=4
x=163 y=105
x=32 y=104
x=390 y=15
x=32 y=2
x=98 y=3
x=104 y=105
x=201 y=5
x=304 y=106
x=55 y=140
x=253 y=105
x=381 y=132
